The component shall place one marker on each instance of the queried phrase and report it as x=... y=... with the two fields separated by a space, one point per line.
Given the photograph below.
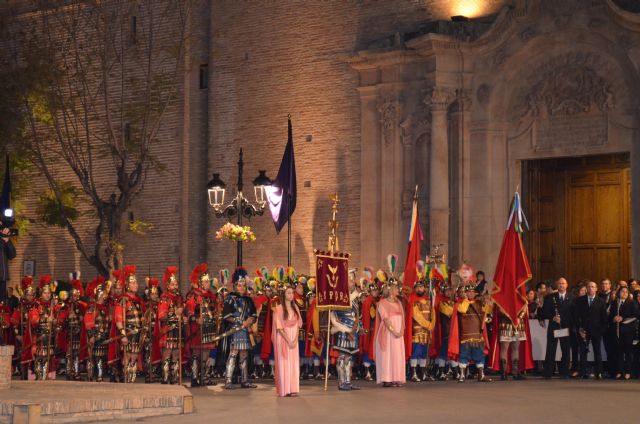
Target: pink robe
x=287 y=359
x=389 y=349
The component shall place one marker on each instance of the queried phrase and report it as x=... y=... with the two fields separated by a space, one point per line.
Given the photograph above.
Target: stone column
x=6 y=352
x=370 y=177
x=439 y=100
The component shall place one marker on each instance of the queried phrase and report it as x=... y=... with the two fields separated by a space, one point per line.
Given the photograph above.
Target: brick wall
x=266 y=59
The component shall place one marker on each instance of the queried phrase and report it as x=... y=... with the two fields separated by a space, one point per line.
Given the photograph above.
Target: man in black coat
x=608 y=336
x=7 y=252
x=558 y=309
x=590 y=324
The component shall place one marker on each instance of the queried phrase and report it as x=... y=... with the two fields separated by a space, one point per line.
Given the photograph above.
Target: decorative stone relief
x=499 y=57
x=439 y=98
x=569 y=105
x=388 y=109
x=568 y=90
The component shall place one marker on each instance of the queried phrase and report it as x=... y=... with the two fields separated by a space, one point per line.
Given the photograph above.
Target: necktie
x=561 y=298
x=590 y=300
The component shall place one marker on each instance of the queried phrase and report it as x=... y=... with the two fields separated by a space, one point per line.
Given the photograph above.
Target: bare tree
x=102 y=76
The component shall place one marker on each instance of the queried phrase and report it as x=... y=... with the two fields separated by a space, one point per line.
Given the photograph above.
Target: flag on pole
x=512 y=269
x=413 y=251
x=281 y=195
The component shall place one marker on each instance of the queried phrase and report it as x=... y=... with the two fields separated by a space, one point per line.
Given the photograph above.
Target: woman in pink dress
x=286 y=325
x=389 y=338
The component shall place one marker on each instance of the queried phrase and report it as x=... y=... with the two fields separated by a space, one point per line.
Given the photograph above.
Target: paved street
x=530 y=401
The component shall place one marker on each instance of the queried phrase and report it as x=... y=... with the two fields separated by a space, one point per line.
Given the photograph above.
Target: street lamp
x=240 y=206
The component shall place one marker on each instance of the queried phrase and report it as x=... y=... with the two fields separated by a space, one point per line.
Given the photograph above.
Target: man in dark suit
x=608 y=336
x=558 y=309
x=590 y=324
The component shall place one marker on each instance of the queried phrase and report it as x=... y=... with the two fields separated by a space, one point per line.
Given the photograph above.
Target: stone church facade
x=385 y=96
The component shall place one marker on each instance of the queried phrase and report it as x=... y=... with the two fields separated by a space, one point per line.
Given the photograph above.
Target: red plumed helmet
x=77 y=285
x=128 y=270
x=44 y=280
x=26 y=281
x=194 y=277
x=169 y=273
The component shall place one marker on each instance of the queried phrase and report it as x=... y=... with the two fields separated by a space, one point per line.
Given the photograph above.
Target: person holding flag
x=511 y=337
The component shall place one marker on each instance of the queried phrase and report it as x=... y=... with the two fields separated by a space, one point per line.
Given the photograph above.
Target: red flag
x=512 y=270
x=413 y=251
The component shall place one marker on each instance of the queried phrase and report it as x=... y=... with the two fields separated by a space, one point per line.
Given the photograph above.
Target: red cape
x=436 y=334
x=454 y=335
x=526 y=355
x=366 y=340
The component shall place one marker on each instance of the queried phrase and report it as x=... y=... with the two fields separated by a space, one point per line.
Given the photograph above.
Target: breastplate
x=470 y=326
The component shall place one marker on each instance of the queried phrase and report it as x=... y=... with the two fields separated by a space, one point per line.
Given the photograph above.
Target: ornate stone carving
x=388 y=109
x=464 y=99
x=568 y=90
x=439 y=98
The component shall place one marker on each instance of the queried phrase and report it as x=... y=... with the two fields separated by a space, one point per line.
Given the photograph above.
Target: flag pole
x=289 y=231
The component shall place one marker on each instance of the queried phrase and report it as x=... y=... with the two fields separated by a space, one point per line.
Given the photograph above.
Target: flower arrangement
x=234 y=232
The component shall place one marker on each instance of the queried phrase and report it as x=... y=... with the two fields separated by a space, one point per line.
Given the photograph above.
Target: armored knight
x=171 y=317
x=420 y=323
x=128 y=322
x=97 y=322
x=43 y=320
x=345 y=327
x=21 y=326
x=151 y=354
x=468 y=335
x=239 y=314
x=72 y=336
x=201 y=310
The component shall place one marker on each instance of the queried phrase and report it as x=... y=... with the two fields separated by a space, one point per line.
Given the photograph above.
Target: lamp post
x=240 y=206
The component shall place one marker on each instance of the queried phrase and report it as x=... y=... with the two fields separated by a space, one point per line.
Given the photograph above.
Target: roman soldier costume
x=420 y=321
x=22 y=327
x=114 y=354
x=128 y=322
x=72 y=337
x=345 y=327
x=468 y=335
x=97 y=323
x=510 y=336
x=151 y=350
x=201 y=310
x=170 y=320
x=239 y=314
x=43 y=320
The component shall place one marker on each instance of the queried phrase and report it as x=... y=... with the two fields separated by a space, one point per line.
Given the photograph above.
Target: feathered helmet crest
x=129 y=275
x=153 y=285
x=26 y=285
x=199 y=274
x=45 y=284
x=170 y=274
